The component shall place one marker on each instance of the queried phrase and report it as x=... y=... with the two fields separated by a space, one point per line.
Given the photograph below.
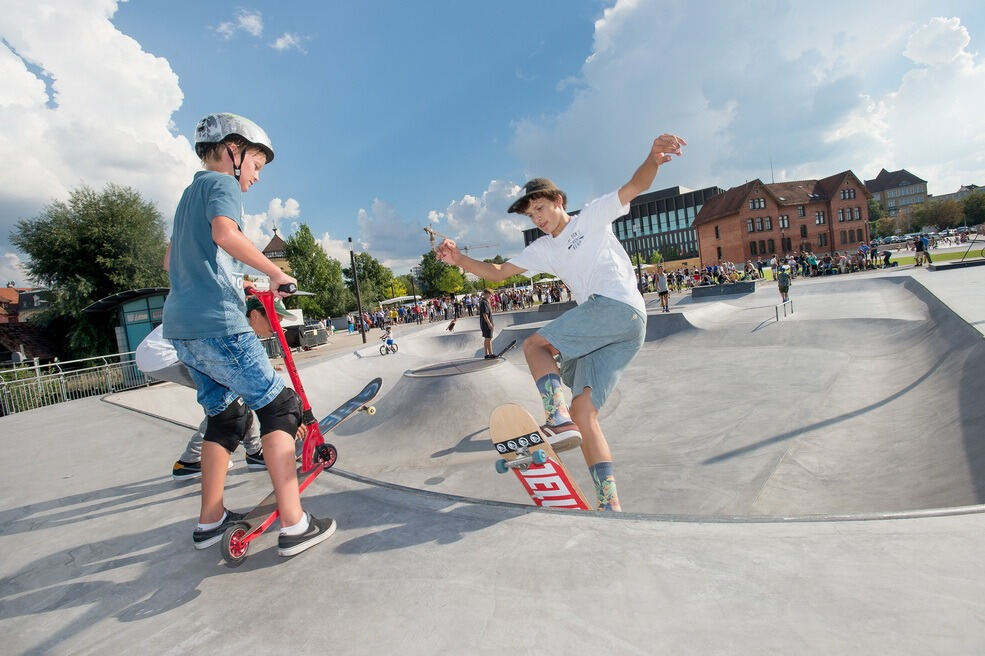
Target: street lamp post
x=355 y=282
x=639 y=259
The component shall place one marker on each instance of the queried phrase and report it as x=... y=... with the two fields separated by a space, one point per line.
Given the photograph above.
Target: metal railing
x=37 y=385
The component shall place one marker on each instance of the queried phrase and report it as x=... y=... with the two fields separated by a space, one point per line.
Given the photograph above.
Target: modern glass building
x=658 y=221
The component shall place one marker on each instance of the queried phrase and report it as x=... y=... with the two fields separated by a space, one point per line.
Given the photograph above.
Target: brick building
x=757 y=220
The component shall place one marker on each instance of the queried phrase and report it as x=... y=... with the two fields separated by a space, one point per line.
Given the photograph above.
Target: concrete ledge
x=731 y=289
x=945 y=266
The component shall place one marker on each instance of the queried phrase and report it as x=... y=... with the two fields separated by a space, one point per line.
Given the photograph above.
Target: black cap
x=537 y=185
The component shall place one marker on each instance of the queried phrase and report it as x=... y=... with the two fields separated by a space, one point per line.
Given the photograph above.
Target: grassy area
x=941 y=257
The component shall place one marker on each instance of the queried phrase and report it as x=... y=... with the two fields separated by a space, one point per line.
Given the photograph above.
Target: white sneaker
x=563 y=436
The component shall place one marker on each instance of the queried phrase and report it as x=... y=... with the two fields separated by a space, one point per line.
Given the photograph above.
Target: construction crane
x=433 y=235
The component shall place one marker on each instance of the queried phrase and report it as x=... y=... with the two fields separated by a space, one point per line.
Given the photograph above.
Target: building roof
x=276 y=245
x=891 y=179
x=29 y=335
x=9 y=294
x=795 y=192
x=113 y=300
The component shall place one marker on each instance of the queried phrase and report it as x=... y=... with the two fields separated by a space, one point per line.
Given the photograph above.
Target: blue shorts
x=597 y=340
x=225 y=368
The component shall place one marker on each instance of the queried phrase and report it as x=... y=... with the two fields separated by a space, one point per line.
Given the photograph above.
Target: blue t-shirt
x=206 y=298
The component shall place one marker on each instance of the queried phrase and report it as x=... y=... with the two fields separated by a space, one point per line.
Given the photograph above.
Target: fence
x=34 y=386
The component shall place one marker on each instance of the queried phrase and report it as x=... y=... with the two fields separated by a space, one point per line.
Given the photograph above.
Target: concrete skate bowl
x=868 y=404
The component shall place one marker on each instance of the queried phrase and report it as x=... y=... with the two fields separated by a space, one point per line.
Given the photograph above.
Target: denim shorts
x=597 y=339
x=225 y=368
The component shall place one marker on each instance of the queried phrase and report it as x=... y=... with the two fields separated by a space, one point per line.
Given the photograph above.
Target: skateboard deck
x=316 y=456
x=516 y=437
x=506 y=348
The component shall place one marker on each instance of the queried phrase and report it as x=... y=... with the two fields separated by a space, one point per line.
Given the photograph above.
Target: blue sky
x=387 y=115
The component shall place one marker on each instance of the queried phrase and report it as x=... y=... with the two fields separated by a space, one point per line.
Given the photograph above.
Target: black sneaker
x=256 y=461
x=186 y=471
x=205 y=539
x=319 y=530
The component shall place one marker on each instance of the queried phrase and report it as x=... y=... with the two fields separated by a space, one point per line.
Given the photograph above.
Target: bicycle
x=389 y=346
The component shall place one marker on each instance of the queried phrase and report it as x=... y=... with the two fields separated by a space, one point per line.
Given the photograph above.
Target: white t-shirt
x=587 y=256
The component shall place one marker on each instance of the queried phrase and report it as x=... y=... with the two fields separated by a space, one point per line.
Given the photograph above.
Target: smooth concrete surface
x=761 y=462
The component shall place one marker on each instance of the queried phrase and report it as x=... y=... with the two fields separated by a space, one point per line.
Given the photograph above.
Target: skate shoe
x=563 y=436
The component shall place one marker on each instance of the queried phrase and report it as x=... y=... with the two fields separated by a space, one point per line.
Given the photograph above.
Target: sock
x=552 y=397
x=298 y=528
x=209 y=527
x=605 y=486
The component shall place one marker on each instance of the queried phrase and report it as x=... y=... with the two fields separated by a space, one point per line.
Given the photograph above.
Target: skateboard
x=506 y=348
x=316 y=454
x=516 y=437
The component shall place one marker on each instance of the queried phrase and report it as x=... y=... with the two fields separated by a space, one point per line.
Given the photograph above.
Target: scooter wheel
x=501 y=466
x=328 y=455
x=232 y=546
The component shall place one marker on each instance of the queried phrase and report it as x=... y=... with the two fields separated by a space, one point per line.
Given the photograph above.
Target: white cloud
x=103 y=116
x=246 y=20
x=479 y=222
x=287 y=41
x=12 y=270
x=815 y=101
x=259 y=228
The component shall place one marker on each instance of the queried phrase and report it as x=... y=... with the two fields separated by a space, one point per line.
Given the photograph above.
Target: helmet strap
x=237 y=169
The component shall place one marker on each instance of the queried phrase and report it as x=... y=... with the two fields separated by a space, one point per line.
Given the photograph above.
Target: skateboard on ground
x=516 y=437
x=316 y=454
x=506 y=348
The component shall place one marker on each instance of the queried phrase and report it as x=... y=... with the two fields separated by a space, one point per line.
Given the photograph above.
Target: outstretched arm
x=660 y=153
x=448 y=253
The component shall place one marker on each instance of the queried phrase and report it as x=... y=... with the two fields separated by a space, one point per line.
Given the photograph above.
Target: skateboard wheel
x=539 y=456
x=232 y=546
x=501 y=466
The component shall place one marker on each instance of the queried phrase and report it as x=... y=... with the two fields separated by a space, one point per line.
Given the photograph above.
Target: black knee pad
x=229 y=426
x=283 y=413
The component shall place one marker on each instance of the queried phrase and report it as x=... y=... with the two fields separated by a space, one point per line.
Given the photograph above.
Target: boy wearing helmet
x=205 y=318
x=597 y=339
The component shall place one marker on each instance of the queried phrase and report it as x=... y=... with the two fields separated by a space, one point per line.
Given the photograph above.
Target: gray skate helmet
x=215 y=128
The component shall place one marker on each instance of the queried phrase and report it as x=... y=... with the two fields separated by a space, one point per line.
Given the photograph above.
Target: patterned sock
x=552 y=397
x=605 y=486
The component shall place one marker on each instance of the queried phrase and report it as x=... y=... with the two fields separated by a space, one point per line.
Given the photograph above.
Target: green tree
x=876 y=211
x=885 y=226
x=656 y=257
x=374 y=279
x=451 y=281
x=317 y=273
x=93 y=245
x=429 y=274
x=939 y=214
x=974 y=208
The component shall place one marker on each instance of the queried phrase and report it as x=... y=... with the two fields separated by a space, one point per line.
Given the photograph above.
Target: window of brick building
x=858 y=213
x=752 y=248
x=757 y=203
x=767 y=223
x=718 y=235
x=759 y=224
x=770 y=247
x=784 y=221
x=844 y=237
x=803 y=231
x=801 y=211
x=749 y=225
x=822 y=240
x=841 y=215
x=762 y=246
x=719 y=252
x=819 y=217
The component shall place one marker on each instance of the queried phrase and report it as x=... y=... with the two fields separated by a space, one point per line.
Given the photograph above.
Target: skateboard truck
x=525 y=458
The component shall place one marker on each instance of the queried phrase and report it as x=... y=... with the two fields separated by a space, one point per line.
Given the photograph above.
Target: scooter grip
x=288 y=288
